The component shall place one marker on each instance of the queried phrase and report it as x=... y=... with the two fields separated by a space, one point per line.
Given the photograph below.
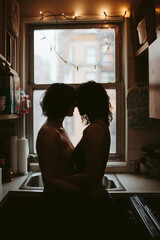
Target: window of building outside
x=74 y=56
x=91 y=55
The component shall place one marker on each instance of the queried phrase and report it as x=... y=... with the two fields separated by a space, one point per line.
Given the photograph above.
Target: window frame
x=118 y=85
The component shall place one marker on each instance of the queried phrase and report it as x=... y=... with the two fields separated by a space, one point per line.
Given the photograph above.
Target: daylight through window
x=74 y=56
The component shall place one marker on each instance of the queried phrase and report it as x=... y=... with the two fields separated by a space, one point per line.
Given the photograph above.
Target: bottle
x=10 y=175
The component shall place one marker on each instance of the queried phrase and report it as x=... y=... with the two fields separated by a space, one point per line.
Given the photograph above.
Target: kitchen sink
x=112 y=183
x=34 y=182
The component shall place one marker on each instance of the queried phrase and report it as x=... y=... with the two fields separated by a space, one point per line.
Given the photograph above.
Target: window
x=108 y=58
x=74 y=56
x=107 y=76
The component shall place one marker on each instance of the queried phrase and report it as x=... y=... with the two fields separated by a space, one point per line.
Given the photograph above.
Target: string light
x=125 y=13
x=114 y=16
x=74 y=17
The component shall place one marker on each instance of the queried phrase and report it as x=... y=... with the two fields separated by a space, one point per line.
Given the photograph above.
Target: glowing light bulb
x=40 y=12
x=158 y=10
x=125 y=12
x=75 y=15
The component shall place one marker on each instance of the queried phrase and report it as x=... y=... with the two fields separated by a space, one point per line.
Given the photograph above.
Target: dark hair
x=93 y=102
x=57 y=99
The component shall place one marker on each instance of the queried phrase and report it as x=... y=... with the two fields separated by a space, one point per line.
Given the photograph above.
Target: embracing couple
x=73 y=190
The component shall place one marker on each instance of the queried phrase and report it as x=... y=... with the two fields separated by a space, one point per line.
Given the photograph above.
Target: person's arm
x=93 y=146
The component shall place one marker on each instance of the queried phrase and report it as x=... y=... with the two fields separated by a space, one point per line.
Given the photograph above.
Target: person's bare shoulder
x=96 y=133
x=48 y=134
x=94 y=129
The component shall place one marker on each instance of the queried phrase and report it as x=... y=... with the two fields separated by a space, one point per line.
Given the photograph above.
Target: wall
x=31 y=8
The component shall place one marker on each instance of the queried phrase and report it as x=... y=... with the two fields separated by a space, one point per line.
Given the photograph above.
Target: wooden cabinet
x=9 y=30
x=141 y=64
x=157 y=10
x=147 y=55
x=8 y=73
x=2 y=27
x=154 y=79
x=143 y=9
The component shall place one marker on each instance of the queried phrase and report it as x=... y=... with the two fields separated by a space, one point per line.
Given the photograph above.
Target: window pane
x=90 y=76
x=45 y=62
x=108 y=59
x=66 y=55
x=91 y=55
x=106 y=76
x=73 y=125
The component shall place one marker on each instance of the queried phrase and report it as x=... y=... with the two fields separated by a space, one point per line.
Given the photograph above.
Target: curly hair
x=57 y=100
x=93 y=102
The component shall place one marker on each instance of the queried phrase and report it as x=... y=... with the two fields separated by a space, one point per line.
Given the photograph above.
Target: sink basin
x=112 y=183
x=34 y=182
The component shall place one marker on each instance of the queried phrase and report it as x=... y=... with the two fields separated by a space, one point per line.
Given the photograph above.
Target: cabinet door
x=154 y=79
x=2 y=26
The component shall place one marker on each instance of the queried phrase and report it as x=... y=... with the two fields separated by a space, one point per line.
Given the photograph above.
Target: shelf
x=142 y=51
x=9 y=116
x=4 y=59
x=5 y=67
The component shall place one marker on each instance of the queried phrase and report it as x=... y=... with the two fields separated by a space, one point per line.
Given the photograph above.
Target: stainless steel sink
x=112 y=183
x=34 y=182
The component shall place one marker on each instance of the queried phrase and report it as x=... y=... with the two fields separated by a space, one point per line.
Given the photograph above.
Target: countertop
x=137 y=183
x=133 y=183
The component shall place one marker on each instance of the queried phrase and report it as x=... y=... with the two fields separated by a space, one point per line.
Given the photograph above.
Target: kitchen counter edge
x=133 y=183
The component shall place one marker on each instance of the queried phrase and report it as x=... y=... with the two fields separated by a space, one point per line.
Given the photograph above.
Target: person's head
x=58 y=101
x=93 y=102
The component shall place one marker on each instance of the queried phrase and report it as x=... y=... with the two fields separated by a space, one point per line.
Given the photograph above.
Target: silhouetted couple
x=75 y=204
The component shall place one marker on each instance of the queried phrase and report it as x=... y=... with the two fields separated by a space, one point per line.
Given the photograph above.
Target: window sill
x=34 y=167
x=116 y=167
